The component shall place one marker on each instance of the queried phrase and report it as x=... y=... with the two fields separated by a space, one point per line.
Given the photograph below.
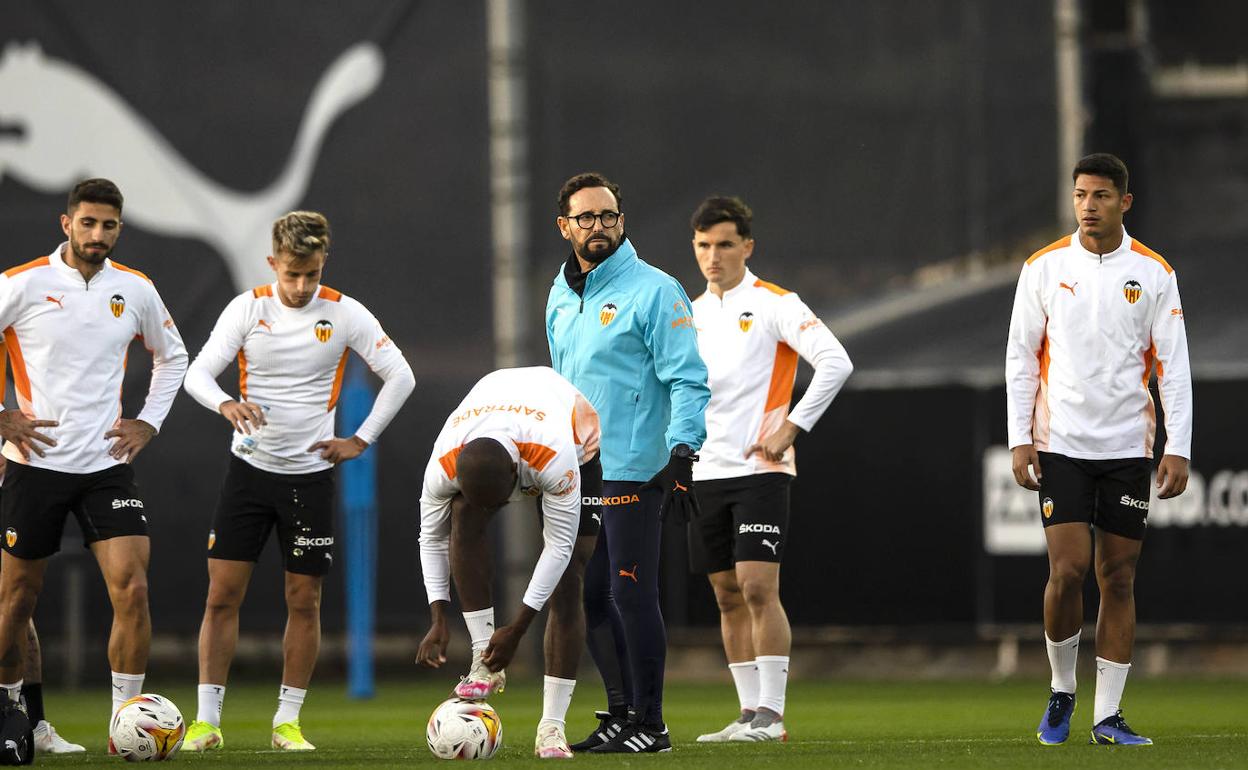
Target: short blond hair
x=301 y=234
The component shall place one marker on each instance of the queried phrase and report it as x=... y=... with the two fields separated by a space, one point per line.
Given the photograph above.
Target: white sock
x=14 y=691
x=1111 y=678
x=745 y=676
x=556 y=697
x=773 y=677
x=480 y=627
x=211 y=698
x=125 y=687
x=289 y=701
x=1062 y=658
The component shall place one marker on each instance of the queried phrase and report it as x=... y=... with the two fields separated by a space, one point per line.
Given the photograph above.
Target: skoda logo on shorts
x=10 y=537
x=1047 y=507
x=607 y=314
x=117 y=304
x=324 y=330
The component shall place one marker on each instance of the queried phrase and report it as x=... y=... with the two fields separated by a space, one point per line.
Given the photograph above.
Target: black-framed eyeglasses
x=586 y=220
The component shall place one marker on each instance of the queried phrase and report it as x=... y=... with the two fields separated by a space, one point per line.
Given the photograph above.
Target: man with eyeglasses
x=622 y=332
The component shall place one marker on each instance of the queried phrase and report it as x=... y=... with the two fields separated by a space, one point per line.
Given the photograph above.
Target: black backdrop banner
x=864 y=136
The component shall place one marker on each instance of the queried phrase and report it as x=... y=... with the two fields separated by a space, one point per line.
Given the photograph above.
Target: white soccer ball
x=147 y=728
x=464 y=729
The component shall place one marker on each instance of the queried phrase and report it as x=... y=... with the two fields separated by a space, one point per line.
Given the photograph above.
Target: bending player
x=750 y=334
x=518 y=432
x=291 y=339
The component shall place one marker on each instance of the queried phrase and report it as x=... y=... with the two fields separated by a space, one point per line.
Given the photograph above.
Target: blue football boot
x=1054 y=726
x=1114 y=731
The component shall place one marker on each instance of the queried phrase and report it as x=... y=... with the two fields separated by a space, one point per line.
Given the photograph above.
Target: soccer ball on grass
x=464 y=729
x=147 y=728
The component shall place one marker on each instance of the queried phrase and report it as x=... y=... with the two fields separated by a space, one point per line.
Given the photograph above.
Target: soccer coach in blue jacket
x=622 y=332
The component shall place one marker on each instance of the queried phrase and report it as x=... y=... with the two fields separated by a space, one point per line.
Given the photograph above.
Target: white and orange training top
x=291 y=362
x=550 y=430
x=1084 y=336
x=67 y=340
x=750 y=340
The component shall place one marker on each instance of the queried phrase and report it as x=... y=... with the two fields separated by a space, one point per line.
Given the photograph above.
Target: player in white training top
x=291 y=339
x=1093 y=313
x=518 y=433
x=750 y=334
x=68 y=321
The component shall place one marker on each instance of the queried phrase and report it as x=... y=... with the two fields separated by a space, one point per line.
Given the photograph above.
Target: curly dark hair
x=582 y=181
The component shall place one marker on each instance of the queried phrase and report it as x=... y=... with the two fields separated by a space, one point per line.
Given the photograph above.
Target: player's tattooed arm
x=22 y=431
x=432 y=651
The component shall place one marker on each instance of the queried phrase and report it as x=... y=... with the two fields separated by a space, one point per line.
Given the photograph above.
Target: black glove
x=676 y=483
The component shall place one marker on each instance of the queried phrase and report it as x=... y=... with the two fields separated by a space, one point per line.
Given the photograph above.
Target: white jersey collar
x=747 y=282
x=1123 y=247
x=57 y=262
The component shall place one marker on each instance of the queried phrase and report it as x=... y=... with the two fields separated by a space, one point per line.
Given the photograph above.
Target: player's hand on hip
x=22 y=431
x=244 y=416
x=432 y=651
x=132 y=436
x=338 y=450
x=775 y=445
x=1172 y=476
x=502 y=648
x=1022 y=457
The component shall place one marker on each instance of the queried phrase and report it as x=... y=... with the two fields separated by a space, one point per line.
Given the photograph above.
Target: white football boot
x=551 y=743
x=724 y=735
x=481 y=682
x=48 y=741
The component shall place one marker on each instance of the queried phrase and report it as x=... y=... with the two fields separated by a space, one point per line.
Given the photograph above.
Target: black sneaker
x=637 y=739
x=609 y=727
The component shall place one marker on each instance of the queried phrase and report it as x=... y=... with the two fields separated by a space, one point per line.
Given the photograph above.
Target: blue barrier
x=358 y=497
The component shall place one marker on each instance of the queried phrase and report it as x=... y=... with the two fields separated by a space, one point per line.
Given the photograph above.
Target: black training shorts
x=36 y=501
x=742 y=519
x=253 y=501
x=1110 y=494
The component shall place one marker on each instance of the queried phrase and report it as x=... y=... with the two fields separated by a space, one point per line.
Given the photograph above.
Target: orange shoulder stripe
x=262 y=291
x=40 y=262
x=448 y=462
x=1060 y=244
x=333 y=295
x=538 y=456
x=132 y=271
x=771 y=287
x=1140 y=248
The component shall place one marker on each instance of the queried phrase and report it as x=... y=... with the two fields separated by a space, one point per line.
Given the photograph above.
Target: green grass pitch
x=854 y=724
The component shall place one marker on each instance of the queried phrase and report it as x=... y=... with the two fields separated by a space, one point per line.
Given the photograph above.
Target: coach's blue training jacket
x=628 y=343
